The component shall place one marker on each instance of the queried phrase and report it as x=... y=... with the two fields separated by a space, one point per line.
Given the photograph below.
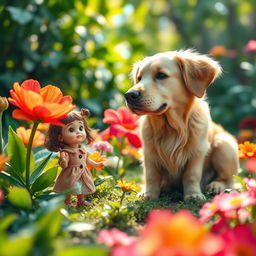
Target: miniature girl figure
x=67 y=140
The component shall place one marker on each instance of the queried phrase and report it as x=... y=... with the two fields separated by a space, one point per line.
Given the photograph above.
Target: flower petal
x=134 y=140
x=111 y=117
x=51 y=93
x=19 y=114
x=126 y=116
x=31 y=85
x=117 y=130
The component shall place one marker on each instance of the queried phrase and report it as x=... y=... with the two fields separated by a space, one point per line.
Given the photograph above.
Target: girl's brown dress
x=76 y=175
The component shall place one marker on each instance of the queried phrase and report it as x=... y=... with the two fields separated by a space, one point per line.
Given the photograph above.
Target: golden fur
x=183 y=149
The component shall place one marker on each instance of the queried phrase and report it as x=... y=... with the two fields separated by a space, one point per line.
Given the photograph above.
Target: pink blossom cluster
x=104 y=146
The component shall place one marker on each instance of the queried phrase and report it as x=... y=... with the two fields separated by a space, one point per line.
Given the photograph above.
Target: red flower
x=46 y=104
x=239 y=240
x=123 y=123
x=251 y=46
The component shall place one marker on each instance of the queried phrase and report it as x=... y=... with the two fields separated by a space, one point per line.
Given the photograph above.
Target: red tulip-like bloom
x=123 y=123
x=45 y=104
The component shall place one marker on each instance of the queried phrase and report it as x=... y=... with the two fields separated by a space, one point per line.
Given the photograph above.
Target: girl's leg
x=68 y=201
x=80 y=200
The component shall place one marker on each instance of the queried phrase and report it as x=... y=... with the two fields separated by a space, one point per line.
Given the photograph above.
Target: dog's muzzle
x=133 y=97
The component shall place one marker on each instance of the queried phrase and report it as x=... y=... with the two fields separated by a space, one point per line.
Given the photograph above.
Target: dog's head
x=168 y=80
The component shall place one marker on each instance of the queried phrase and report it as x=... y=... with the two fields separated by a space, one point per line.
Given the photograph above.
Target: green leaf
x=19 y=244
x=42 y=154
x=14 y=181
x=241 y=181
x=20 y=197
x=20 y=15
x=100 y=180
x=7 y=221
x=16 y=151
x=48 y=227
x=39 y=169
x=45 y=180
x=84 y=251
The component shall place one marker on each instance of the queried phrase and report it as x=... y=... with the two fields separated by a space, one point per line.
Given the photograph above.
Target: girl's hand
x=100 y=165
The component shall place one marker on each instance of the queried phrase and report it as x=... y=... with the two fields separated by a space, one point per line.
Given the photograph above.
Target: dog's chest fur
x=173 y=145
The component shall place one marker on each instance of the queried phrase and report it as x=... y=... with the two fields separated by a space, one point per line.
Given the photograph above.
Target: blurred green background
x=87 y=48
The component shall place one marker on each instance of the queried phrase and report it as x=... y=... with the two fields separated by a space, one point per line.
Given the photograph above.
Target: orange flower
x=3 y=160
x=245 y=134
x=24 y=135
x=247 y=150
x=176 y=234
x=218 y=50
x=134 y=152
x=45 y=104
x=43 y=127
x=126 y=186
x=96 y=157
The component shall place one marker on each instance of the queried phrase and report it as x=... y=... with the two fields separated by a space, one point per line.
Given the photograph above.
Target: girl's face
x=73 y=133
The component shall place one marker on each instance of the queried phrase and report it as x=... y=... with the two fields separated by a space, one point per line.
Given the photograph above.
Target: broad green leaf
x=20 y=15
x=39 y=169
x=84 y=251
x=16 y=151
x=20 y=197
x=42 y=154
x=14 y=181
x=45 y=180
x=7 y=221
x=48 y=227
x=19 y=244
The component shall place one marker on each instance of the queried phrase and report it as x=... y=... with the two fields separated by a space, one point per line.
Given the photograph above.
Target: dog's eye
x=160 y=76
x=139 y=78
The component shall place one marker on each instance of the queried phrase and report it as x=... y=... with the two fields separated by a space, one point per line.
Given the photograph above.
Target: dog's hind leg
x=224 y=159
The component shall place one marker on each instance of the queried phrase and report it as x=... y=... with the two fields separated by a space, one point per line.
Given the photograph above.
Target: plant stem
x=122 y=198
x=1 y=133
x=120 y=154
x=29 y=148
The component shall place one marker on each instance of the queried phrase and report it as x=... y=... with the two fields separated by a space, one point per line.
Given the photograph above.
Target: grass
x=104 y=211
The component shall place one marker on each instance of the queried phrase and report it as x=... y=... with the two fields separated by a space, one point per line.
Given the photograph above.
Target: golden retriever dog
x=183 y=148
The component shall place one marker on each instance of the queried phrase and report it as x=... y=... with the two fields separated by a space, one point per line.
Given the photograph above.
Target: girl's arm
x=64 y=159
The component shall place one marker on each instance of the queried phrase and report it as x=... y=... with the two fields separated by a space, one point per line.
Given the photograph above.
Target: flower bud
x=4 y=104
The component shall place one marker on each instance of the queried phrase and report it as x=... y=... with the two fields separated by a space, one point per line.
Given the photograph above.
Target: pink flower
x=235 y=200
x=251 y=46
x=250 y=184
x=208 y=210
x=123 y=123
x=114 y=237
x=102 y=146
x=1 y=196
x=229 y=206
x=250 y=164
x=239 y=241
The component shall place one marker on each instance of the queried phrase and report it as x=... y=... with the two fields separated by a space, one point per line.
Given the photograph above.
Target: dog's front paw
x=216 y=187
x=195 y=195
x=150 y=195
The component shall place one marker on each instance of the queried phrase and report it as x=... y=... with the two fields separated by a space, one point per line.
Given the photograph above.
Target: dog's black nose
x=132 y=96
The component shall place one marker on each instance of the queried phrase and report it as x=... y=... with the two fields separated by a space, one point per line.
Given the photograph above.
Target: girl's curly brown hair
x=52 y=141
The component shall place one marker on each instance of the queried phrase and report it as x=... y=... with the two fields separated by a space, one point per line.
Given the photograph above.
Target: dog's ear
x=198 y=72
x=134 y=72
